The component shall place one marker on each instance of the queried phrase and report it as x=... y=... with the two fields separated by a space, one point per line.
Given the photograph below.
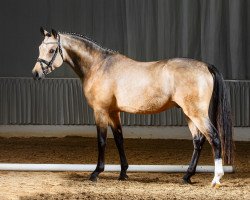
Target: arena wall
x=59 y=107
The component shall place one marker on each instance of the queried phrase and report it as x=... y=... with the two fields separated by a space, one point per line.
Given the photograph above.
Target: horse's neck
x=78 y=56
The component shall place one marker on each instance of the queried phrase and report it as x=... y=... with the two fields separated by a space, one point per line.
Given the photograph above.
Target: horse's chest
x=98 y=94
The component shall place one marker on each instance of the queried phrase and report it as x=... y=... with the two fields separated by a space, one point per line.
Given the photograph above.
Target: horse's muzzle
x=36 y=75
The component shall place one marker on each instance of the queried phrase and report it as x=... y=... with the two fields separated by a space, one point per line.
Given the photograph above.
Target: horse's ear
x=42 y=31
x=54 y=33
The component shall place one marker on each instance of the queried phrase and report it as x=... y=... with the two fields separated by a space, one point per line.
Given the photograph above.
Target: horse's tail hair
x=220 y=114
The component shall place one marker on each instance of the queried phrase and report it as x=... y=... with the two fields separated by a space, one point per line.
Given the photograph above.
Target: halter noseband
x=49 y=64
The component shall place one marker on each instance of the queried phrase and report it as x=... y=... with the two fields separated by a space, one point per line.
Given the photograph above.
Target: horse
x=113 y=83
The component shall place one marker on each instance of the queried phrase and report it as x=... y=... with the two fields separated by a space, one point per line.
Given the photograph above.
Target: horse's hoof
x=216 y=185
x=186 y=181
x=123 y=177
x=93 y=178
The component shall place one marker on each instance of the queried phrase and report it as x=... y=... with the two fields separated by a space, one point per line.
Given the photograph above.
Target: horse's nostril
x=35 y=75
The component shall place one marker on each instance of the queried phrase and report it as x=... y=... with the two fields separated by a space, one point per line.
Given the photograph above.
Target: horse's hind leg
x=118 y=136
x=198 y=141
x=205 y=126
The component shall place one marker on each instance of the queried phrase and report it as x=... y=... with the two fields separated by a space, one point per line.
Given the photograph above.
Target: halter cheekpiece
x=49 y=64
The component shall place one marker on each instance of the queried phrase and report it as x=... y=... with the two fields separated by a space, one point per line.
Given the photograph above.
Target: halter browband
x=49 y=64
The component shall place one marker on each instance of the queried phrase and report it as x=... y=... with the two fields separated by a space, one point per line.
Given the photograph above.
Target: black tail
x=220 y=114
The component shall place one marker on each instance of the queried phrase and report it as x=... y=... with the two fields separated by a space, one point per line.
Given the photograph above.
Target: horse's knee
x=197 y=144
x=102 y=143
x=102 y=135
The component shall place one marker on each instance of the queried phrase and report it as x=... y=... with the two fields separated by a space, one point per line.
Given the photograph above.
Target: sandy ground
x=72 y=185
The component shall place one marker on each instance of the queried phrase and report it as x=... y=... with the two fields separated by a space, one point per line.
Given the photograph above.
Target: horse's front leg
x=116 y=127
x=101 y=119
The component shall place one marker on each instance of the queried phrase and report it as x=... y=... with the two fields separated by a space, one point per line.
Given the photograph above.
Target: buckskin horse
x=114 y=83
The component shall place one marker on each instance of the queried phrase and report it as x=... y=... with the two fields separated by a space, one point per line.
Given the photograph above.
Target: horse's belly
x=143 y=105
x=143 y=91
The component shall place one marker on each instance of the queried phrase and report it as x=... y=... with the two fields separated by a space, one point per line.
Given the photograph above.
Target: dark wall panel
x=210 y=30
x=59 y=101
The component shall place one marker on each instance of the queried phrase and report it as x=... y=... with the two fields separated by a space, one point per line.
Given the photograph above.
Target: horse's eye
x=51 y=50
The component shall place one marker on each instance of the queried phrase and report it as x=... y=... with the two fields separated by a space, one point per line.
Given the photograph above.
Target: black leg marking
x=118 y=136
x=214 y=140
x=102 y=140
x=198 y=142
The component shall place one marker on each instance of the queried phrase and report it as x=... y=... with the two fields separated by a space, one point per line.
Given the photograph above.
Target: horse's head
x=50 y=54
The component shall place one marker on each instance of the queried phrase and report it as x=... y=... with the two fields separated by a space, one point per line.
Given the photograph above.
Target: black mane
x=91 y=43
